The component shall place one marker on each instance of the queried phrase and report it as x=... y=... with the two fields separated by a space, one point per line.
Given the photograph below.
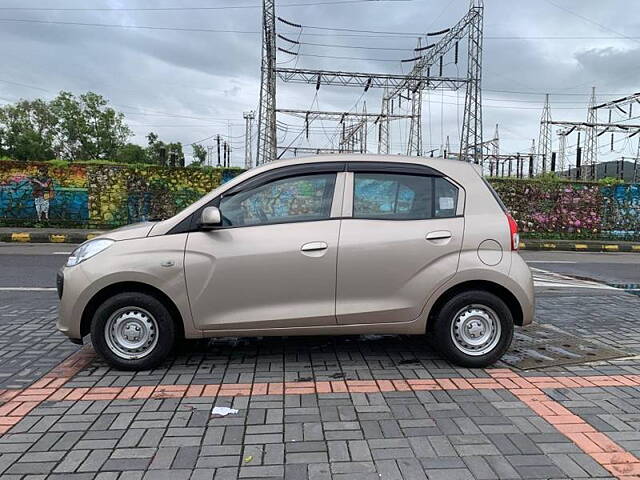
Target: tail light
x=513 y=230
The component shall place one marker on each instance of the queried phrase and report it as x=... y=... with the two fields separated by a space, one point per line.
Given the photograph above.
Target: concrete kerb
x=46 y=237
x=579 y=245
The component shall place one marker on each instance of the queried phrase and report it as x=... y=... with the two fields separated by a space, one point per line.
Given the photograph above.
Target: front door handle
x=439 y=235
x=314 y=246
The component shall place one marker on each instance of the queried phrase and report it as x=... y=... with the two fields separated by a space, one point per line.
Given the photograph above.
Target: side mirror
x=211 y=218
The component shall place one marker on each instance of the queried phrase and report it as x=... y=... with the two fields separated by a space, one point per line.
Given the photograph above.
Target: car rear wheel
x=133 y=331
x=474 y=329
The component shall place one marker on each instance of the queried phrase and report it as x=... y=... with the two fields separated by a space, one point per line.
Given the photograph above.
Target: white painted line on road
x=549 y=261
x=566 y=285
x=27 y=289
x=61 y=253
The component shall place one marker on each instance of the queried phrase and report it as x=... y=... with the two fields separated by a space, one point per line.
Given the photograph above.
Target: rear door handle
x=439 y=235
x=314 y=246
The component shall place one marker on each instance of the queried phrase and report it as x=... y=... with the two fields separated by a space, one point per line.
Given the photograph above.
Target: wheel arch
x=122 y=287
x=500 y=291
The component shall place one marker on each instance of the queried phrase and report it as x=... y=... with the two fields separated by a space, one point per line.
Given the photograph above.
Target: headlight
x=88 y=250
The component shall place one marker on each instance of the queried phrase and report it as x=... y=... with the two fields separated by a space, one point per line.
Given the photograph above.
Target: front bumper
x=71 y=284
x=60 y=283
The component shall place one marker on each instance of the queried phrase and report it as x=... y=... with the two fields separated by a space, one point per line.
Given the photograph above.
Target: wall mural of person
x=43 y=192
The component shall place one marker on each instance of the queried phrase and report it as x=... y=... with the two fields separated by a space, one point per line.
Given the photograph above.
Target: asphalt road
x=609 y=268
x=35 y=265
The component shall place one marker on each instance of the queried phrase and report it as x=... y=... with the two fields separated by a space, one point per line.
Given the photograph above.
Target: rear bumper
x=523 y=287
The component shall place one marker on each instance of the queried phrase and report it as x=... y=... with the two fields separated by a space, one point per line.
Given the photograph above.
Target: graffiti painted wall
x=572 y=210
x=108 y=196
x=31 y=190
x=102 y=196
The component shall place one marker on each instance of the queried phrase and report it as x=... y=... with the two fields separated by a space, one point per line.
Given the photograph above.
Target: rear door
x=400 y=239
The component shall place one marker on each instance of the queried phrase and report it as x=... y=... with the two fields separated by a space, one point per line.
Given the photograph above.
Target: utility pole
x=532 y=157
x=578 y=159
x=635 y=164
x=209 y=160
x=544 y=140
x=562 y=150
x=218 y=142
x=267 y=137
x=248 y=139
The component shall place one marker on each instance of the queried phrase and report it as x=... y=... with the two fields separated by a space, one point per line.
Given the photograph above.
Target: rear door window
x=384 y=196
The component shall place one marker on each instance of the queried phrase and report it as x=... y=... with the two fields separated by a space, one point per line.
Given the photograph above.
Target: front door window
x=293 y=199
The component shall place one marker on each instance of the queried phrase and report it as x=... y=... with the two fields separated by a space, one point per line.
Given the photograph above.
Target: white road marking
x=550 y=261
x=544 y=278
x=61 y=253
x=27 y=289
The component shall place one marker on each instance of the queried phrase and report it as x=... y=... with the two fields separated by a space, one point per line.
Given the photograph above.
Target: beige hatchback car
x=335 y=245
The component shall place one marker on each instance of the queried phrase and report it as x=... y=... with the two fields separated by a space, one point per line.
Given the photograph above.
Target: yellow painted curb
x=522 y=245
x=611 y=247
x=92 y=235
x=57 y=238
x=20 y=237
x=581 y=246
x=635 y=248
x=549 y=245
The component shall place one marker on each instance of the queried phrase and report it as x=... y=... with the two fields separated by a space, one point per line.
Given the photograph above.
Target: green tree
x=27 y=130
x=132 y=153
x=199 y=153
x=87 y=128
x=161 y=153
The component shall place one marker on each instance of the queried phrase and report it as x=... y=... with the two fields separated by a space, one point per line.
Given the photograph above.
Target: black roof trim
x=285 y=172
x=393 y=167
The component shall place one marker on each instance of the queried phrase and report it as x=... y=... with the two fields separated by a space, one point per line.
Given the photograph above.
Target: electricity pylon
x=545 y=146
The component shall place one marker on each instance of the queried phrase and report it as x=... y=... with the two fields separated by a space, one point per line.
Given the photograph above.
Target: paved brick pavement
x=30 y=346
x=318 y=408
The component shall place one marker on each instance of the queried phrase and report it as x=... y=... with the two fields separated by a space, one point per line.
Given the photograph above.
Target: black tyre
x=133 y=331
x=473 y=329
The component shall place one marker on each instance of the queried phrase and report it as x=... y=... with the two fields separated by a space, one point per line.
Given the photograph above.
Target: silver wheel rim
x=131 y=333
x=476 y=330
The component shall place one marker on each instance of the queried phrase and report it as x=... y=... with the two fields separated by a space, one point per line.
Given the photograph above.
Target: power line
x=593 y=22
x=114 y=25
x=178 y=9
x=379 y=34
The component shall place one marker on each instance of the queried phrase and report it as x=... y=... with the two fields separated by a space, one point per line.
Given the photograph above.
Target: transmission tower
x=472 y=123
x=408 y=86
x=545 y=146
x=591 y=138
x=383 y=124
x=267 y=136
x=248 y=139
x=414 y=146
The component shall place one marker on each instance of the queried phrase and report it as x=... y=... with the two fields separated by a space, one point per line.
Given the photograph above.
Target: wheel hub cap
x=475 y=330
x=131 y=333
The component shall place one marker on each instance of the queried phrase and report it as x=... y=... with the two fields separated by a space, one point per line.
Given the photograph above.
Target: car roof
x=449 y=167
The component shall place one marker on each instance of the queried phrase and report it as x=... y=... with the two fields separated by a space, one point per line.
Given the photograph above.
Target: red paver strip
x=597 y=445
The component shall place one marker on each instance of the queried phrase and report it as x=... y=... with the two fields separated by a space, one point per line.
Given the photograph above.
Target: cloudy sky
x=194 y=73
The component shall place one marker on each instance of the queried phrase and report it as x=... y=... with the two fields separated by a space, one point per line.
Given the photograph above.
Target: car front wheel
x=474 y=329
x=133 y=331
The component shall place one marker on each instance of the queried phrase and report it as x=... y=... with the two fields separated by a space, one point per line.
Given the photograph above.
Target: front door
x=272 y=263
x=402 y=241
